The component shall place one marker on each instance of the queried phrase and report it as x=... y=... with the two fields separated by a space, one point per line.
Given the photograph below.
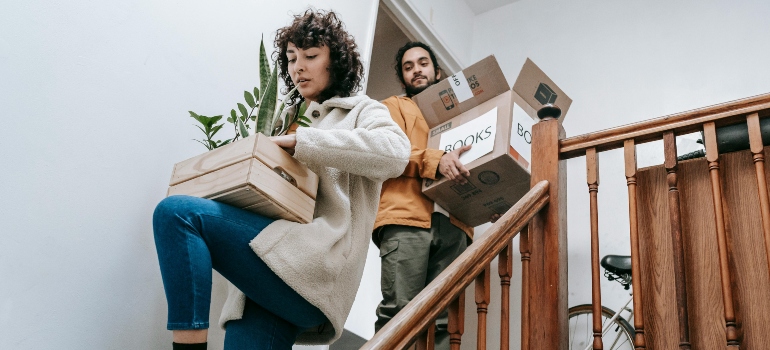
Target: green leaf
x=300 y=123
x=303 y=108
x=279 y=110
x=242 y=108
x=216 y=129
x=264 y=66
x=242 y=128
x=204 y=144
x=256 y=94
x=267 y=104
x=226 y=142
x=249 y=99
x=305 y=119
x=198 y=117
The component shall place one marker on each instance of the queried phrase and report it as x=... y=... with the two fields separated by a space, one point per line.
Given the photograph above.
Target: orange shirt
x=401 y=200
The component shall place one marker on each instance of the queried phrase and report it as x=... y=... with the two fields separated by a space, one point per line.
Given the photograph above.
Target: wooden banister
x=404 y=328
x=653 y=129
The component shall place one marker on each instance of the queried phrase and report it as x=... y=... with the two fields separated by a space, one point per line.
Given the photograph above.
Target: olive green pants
x=411 y=258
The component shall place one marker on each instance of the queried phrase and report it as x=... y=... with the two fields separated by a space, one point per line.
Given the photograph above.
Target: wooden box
x=254 y=174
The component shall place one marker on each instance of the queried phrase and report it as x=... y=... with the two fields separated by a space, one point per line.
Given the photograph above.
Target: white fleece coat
x=353 y=146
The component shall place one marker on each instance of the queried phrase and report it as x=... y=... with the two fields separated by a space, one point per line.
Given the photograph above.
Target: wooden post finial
x=549 y=111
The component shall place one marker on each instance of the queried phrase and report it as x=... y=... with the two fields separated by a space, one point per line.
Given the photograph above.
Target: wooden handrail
x=653 y=129
x=404 y=328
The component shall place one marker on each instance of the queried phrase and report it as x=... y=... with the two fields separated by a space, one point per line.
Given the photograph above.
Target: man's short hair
x=405 y=48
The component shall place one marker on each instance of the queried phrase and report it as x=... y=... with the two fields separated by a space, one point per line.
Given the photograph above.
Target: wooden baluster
x=422 y=340
x=504 y=268
x=629 y=150
x=757 y=150
x=548 y=240
x=482 y=302
x=430 y=339
x=680 y=280
x=525 y=287
x=456 y=324
x=592 y=169
x=712 y=156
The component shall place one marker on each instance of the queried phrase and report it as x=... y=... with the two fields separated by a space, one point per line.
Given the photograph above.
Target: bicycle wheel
x=619 y=336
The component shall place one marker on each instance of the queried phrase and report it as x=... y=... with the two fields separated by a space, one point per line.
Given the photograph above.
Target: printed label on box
x=521 y=136
x=460 y=86
x=441 y=129
x=479 y=132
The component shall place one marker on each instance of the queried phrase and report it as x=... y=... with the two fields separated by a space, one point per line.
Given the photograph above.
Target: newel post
x=548 y=239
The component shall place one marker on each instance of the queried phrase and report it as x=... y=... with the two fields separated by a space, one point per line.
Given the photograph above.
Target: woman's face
x=309 y=70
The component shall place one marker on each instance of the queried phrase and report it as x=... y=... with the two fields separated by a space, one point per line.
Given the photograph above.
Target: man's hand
x=287 y=142
x=451 y=167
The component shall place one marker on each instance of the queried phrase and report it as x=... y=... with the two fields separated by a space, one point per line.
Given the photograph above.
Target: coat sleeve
x=376 y=148
x=423 y=163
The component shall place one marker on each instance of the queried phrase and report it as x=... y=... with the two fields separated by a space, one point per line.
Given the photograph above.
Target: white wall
x=95 y=97
x=452 y=21
x=623 y=62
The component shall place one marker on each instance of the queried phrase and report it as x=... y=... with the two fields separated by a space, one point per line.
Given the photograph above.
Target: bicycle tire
x=618 y=337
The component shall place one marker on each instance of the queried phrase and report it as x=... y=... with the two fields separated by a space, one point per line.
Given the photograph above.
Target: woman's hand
x=287 y=142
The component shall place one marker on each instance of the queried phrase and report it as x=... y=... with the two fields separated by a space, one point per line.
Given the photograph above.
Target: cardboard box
x=535 y=89
x=254 y=174
x=497 y=122
x=462 y=91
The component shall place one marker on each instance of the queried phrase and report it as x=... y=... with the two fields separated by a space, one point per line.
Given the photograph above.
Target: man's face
x=418 y=71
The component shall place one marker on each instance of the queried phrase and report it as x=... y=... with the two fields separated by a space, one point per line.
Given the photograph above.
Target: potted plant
x=248 y=170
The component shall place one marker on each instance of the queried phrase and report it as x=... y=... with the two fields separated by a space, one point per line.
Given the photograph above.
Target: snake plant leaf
x=264 y=67
x=249 y=99
x=267 y=104
x=280 y=110
x=277 y=119
x=242 y=128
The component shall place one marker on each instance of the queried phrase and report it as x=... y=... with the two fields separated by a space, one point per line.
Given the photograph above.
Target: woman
x=289 y=281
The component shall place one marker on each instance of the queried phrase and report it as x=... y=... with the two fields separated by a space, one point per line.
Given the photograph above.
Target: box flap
x=536 y=89
x=461 y=91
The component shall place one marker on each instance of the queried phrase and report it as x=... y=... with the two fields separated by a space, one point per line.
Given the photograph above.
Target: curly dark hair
x=404 y=49
x=316 y=28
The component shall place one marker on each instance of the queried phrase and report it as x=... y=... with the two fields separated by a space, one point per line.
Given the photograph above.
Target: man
x=417 y=239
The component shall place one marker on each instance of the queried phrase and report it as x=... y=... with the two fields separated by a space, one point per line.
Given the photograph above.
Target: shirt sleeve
x=423 y=163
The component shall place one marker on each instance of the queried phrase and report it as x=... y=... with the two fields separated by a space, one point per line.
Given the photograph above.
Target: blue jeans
x=194 y=235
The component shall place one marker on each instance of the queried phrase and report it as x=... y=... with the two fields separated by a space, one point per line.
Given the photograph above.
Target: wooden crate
x=254 y=174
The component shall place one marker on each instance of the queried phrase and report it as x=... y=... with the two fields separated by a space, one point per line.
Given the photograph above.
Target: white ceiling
x=481 y=6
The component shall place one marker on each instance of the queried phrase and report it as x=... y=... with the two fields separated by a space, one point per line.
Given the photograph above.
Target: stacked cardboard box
x=476 y=107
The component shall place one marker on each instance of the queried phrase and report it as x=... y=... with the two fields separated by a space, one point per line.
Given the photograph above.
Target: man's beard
x=412 y=90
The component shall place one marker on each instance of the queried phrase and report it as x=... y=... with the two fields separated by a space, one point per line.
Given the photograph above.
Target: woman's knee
x=174 y=205
x=173 y=210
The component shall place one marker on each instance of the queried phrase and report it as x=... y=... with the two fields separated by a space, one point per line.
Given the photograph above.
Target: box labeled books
x=476 y=107
x=254 y=174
